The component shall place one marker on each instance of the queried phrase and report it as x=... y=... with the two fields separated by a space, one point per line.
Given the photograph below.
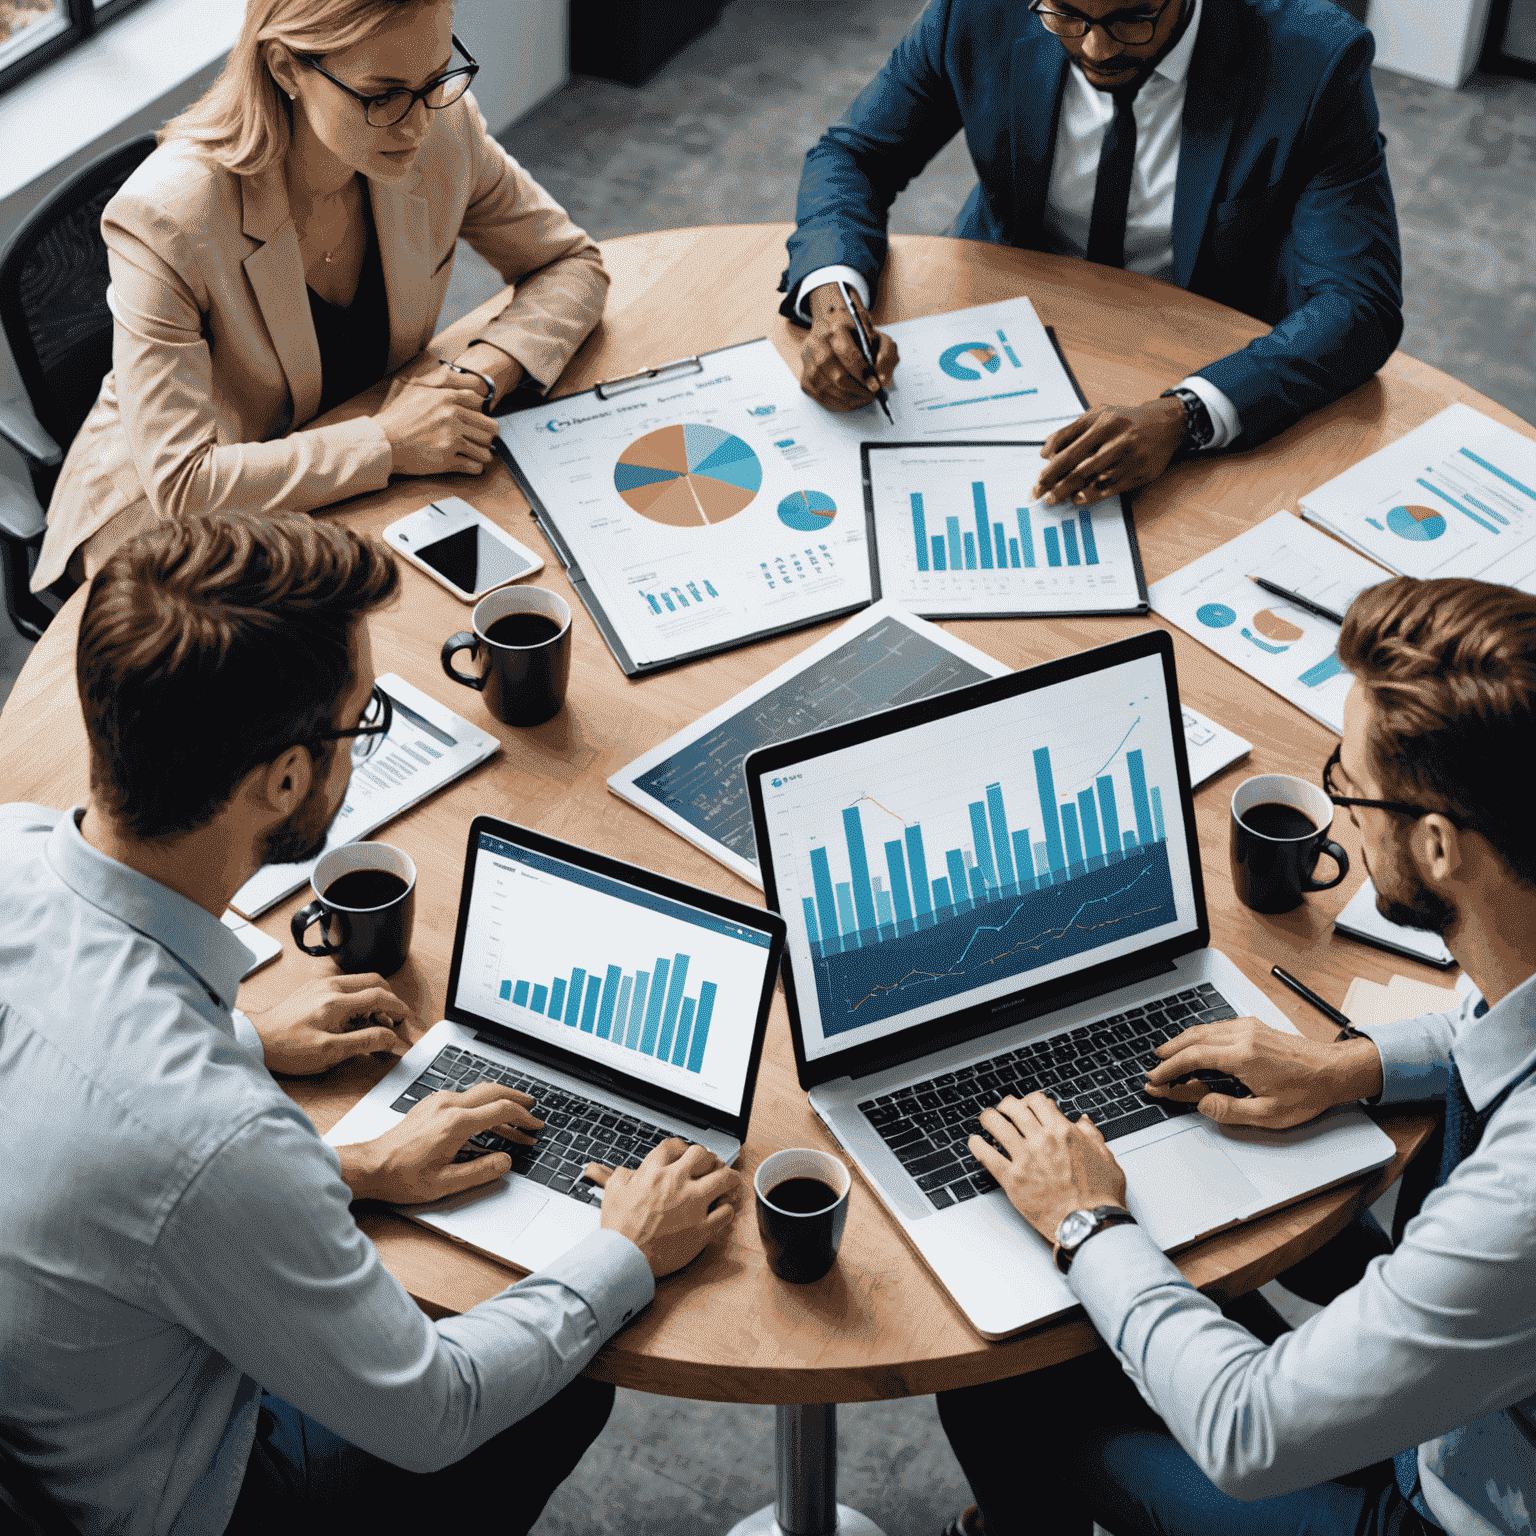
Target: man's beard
x=1422 y=908
x=302 y=837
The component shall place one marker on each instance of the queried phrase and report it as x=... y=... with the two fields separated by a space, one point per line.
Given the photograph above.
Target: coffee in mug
x=802 y=1207
x=521 y=644
x=1279 y=830
x=802 y=1196
x=365 y=904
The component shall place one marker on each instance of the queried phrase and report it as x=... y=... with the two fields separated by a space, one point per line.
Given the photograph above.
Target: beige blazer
x=215 y=366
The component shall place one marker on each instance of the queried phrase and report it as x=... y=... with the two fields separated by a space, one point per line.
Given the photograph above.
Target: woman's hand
x=504 y=371
x=436 y=431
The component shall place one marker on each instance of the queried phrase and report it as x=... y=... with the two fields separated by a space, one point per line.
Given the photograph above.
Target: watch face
x=1075 y=1226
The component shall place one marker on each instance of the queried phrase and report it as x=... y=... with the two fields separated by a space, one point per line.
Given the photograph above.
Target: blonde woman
x=287 y=245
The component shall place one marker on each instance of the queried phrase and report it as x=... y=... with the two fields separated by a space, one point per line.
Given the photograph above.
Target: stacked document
x=1455 y=497
x=1361 y=920
x=428 y=746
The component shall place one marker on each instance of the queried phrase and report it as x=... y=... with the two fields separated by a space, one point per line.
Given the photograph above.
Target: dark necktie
x=1459 y=1135
x=1112 y=190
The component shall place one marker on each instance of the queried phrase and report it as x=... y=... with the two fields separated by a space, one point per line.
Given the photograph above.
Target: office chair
x=53 y=310
x=24 y=1508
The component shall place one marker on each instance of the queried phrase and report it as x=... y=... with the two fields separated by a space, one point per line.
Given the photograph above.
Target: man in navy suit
x=1228 y=146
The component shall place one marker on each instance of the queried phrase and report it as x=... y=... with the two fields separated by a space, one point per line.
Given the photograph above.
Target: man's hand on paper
x=1108 y=451
x=1292 y=1079
x=831 y=365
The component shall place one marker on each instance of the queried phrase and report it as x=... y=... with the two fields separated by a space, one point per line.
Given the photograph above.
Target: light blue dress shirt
x=1430 y=1349
x=173 y=1231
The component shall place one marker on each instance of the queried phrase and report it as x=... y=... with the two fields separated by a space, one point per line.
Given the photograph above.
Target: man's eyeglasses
x=1398 y=807
x=388 y=108
x=1131 y=29
x=370 y=730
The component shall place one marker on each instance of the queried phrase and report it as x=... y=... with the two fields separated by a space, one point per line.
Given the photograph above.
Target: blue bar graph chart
x=992 y=546
x=934 y=921
x=645 y=1011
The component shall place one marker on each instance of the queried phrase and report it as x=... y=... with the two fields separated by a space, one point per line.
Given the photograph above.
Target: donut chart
x=1215 y=615
x=688 y=476
x=807 y=511
x=954 y=360
x=1419 y=524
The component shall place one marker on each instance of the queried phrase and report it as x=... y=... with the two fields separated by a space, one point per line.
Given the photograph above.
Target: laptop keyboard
x=577 y=1130
x=1096 y=1069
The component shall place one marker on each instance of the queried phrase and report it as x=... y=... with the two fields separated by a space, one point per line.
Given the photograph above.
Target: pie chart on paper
x=1417 y=523
x=688 y=476
x=807 y=511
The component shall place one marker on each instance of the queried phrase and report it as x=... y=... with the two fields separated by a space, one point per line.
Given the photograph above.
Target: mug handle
x=463 y=641
x=1338 y=856
x=314 y=913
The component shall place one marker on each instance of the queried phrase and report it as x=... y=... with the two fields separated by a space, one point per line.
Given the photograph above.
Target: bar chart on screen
x=957 y=535
x=615 y=974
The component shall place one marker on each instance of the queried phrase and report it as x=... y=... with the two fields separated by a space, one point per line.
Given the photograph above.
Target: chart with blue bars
x=897 y=920
x=643 y=1011
x=956 y=527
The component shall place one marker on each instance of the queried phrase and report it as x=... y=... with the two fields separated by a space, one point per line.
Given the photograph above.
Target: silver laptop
x=630 y=1006
x=999 y=890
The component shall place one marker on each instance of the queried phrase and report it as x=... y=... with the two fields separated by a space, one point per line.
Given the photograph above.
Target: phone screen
x=473 y=559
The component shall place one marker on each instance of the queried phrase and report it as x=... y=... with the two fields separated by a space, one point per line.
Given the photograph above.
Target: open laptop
x=996 y=890
x=632 y=1008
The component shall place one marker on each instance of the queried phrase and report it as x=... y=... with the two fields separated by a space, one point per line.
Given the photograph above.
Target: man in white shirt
x=1408 y=1404
x=195 y=1336
x=1227 y=146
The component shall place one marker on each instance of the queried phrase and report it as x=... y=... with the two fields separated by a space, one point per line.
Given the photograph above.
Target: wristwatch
x=490 y=388
x=1198 y=427
x=1078 y=1226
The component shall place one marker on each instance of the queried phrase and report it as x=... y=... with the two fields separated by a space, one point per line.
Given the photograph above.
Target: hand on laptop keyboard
x=672 y=1204
x=420 y=1159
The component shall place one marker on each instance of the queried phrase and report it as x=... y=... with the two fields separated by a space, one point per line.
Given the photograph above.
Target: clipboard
x=603 y=393
x=1136 y=603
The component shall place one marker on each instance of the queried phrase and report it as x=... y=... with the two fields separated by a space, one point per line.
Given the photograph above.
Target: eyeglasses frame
x=1042 y=10
x=471 y=68
x=1397 y=807
x=372 y=734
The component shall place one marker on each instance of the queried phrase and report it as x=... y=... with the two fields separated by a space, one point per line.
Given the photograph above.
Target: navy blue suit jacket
x=1282 y=207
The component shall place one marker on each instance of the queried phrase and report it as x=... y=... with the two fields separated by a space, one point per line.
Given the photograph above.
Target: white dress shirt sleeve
x=1223 y=412
x=262 y=1259
x=830 y=275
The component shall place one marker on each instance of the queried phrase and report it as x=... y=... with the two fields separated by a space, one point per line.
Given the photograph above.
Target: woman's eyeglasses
x=390 y=107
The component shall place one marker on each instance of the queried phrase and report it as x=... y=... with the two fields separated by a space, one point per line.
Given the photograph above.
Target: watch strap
x=490 y=388
x=1199 y=429
x=1103 y=1217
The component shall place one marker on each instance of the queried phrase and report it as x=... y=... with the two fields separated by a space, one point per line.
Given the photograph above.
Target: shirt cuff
x=1112 y=1270
x=245 y=1033
x=855 y=280
x=610 y=1274
x=1223 y=413
x=1415 y=1057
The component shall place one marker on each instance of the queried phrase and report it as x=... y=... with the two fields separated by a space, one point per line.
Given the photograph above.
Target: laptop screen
x=627 y=979
x=925 y=870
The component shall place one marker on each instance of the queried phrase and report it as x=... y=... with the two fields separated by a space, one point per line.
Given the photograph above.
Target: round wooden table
x=878 y=1326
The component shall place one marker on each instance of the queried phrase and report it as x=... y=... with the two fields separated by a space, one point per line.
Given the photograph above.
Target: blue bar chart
x=644 y=1011
x=894 y=916
x=994 y=547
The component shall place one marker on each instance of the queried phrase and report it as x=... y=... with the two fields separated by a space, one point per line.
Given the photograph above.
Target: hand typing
x=672 y=1204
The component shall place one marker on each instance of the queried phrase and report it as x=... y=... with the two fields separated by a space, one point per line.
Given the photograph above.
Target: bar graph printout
x=1003 y=847
x=1455 y=497
x=1286 y=648
x=880 y=658
x=634 y=980
x=954 y=534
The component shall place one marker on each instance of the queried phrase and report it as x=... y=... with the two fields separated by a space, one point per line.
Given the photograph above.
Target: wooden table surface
x=878 y=1326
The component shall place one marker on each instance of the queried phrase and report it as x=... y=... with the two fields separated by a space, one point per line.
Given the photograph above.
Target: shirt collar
x=1174 y=65
x=1491 y=1052
x=197 y=939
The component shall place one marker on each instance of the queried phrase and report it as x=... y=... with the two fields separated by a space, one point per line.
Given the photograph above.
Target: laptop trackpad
x=502 y=1207
x=1184 y=1186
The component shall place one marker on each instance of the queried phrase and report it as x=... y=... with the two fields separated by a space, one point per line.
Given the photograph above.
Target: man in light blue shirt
x=194 y=1335
x=1408 y=1404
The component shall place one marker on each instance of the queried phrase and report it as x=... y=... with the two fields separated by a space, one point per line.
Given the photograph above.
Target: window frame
x=84 y=19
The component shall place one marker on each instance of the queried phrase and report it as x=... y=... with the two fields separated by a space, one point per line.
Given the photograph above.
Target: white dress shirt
x=1086 y=114
x=173 y=1231
x=1435 y=1347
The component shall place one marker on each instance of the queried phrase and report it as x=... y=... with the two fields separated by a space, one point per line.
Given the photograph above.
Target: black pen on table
x=1327 y=1009
x=1298 y=599
x=864 y=347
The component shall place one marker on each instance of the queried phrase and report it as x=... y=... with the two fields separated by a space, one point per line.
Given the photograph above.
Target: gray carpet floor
x=718 y=137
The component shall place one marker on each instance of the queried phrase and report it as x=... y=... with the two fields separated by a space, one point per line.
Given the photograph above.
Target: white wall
x=1434 y=40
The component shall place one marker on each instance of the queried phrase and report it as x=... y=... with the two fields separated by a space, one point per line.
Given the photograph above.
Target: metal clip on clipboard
x=667 y=371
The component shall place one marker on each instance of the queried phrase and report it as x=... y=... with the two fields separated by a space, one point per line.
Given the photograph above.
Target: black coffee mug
x=522 y=642
x=1279 y=830
x=365 y=895
x=802 y=1208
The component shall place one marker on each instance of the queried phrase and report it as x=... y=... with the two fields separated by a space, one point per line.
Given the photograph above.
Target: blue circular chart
x=1215 y=615
x=1420 y=524
x=807 y=511
x=954 y=360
